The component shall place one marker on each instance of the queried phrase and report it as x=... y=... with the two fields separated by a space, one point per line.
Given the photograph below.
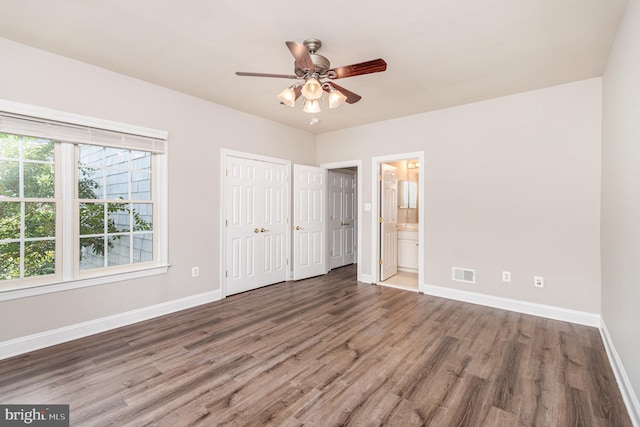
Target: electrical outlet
x=506 y=276
x=538 y=281
x=195 y=272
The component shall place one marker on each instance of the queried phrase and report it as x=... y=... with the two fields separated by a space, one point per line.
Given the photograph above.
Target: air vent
x=463 y=275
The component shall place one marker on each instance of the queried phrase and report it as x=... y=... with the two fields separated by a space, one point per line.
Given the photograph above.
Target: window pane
x=39 y=220
x=39 y=258
x=142 y=247
x=140 y=186
x=117 y=158
x=92 y=218
x=9 y=220
x=90 y=172
x=9 y=146
x=142 y=217
x=90 y=183
x=119 y=249
x=117 y=184
x=38 y=180
x=119 y=217
x=37 y=149
x=91 y=252
x=141 y=160
x=9 y=261
x=9 y=178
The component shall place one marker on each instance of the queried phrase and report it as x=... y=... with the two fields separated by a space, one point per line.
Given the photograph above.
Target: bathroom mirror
x=407 y=194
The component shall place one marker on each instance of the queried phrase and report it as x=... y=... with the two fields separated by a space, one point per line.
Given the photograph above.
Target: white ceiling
x=440 y=53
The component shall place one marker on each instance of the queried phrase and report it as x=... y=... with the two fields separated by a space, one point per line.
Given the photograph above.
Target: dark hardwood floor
x=328 y=351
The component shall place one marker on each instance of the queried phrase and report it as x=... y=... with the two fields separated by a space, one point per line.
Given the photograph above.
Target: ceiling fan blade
x=352 y=98
x=277 y=76
x=301 y=54
x=373 y=66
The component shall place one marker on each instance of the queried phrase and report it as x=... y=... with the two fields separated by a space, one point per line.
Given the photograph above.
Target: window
x=28 y=207
x=78 y=201
x=115 y=206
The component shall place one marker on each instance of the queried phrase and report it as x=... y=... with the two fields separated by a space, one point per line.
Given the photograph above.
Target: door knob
x=256 y=230
x=298 y=227
x=263 y=230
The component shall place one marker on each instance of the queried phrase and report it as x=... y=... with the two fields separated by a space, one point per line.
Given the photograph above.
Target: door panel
x=309 y=192
x=342 y=218
x=388 y=229
x=255 y=229
x=336 y=212
x=349 y=216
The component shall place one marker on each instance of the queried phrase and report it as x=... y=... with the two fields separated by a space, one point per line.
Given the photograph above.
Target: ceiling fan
x=318 y=77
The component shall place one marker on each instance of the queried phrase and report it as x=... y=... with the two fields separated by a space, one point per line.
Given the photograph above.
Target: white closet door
x=309 y=221
x=342 y=219
x=255 y=231
x=349 y=218
x=336 y=212
x=388 y=221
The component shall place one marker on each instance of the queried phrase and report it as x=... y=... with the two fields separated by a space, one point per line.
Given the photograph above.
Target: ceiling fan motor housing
x=321 y=63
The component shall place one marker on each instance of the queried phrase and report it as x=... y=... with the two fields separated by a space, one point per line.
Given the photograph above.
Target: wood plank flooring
x=328 y=351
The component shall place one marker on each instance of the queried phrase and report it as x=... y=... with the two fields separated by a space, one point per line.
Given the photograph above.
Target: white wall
x=621 y=194
x=510 y=184
x=197 y=131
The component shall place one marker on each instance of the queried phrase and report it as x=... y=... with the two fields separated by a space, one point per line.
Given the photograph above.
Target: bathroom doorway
x=400 y=229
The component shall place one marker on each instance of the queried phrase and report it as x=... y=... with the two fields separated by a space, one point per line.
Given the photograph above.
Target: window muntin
x=28 y=207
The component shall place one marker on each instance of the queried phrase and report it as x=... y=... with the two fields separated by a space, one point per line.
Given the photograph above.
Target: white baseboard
x=628 y=395
x=548 y=311
x=57 y=336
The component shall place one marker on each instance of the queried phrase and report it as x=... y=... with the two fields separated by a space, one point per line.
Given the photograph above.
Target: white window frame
x=68 y=276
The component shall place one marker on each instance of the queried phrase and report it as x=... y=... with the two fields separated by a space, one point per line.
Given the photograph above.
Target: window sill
x=42 y=289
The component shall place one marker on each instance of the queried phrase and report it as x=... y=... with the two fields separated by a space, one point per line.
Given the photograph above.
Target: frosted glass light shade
x=336 y=98
x=288 y=97
x=312 y=89
x=311 y=106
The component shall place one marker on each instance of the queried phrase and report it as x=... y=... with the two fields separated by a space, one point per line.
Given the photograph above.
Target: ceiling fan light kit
x=314 y=70
x=312 y=89
x=288 y=97
x=311 y=106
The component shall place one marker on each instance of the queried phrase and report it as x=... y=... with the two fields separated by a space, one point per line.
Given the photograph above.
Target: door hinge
x=226 y=223
x=380 y=261
x=226 y=273
x=226 y=172
x=286 y=261
x=380 y=220
x=331 y=252
x=380 y=177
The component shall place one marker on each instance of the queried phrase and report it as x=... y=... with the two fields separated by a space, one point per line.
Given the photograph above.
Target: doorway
x=398 y=228
x=344 y=213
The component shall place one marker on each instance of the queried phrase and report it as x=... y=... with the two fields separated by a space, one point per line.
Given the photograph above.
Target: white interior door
x=349 y=217
x=336 y=236
x=342 y=217
x=388 y=221
x=255 y=224
x=309 y=221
